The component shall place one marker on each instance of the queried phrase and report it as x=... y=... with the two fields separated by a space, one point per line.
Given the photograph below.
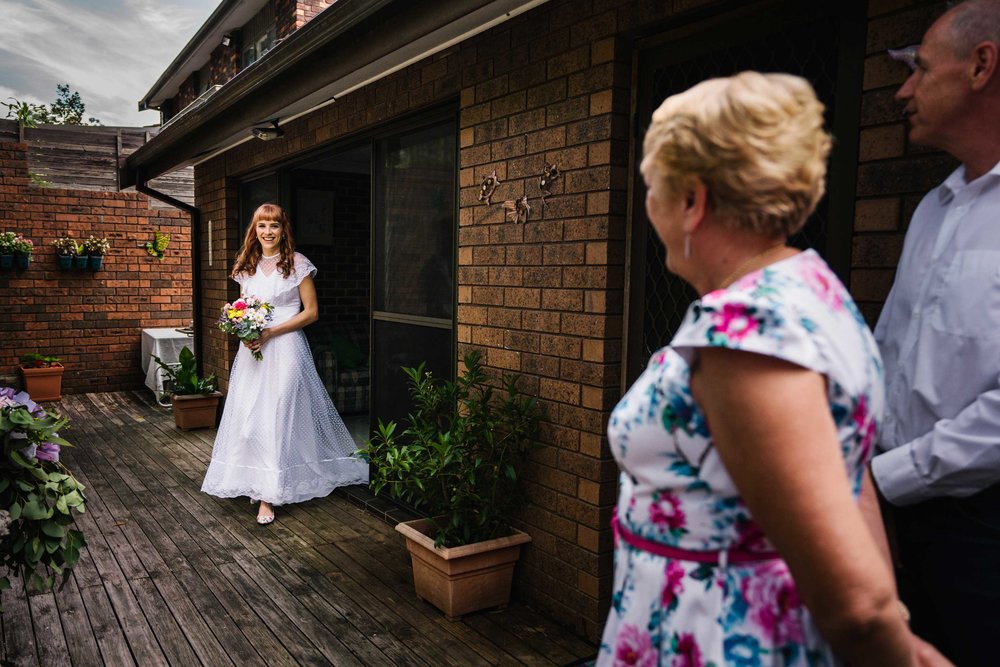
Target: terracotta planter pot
x=195 y=410
x=461 y=580
x=43 y=384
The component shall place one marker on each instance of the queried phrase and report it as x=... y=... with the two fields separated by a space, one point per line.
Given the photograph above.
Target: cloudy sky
x=111 y=51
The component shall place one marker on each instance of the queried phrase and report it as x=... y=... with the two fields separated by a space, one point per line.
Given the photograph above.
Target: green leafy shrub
x=459 y=458
x=37 y=495
x=182 y=378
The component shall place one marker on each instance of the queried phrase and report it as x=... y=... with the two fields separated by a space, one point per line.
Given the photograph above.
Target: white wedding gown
x=280 y=439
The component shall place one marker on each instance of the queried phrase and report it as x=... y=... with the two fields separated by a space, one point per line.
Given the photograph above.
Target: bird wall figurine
x=488 y=187
x=517 y=211
x=550 y=172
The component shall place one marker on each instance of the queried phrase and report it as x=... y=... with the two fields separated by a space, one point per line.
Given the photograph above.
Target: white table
x=165 y=343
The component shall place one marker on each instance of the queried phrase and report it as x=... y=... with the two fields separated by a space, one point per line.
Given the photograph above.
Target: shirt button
x=916 y=311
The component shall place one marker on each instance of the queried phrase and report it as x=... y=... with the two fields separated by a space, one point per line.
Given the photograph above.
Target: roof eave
x=337 y=46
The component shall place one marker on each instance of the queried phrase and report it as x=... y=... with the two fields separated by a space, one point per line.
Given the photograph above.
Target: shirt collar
x=956 y=181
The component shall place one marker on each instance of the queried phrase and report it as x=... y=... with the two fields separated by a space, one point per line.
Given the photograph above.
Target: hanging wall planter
x=65 y=262
x=80 y=262
x=6 y=261
x=95 y=262
x=22 y=260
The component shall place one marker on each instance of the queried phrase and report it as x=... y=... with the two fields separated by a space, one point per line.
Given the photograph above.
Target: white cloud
x=111 y=51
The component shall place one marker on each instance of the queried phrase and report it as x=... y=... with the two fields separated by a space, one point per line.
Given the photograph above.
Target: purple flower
x=47 y=451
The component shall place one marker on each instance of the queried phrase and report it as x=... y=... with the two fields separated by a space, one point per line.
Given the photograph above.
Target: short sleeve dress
x=280 y=438
x=674 y=490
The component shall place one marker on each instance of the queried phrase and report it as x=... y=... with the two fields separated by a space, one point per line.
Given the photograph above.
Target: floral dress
x=674 y=490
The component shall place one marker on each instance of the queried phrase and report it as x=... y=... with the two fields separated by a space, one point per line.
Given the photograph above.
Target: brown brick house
x=381 y=121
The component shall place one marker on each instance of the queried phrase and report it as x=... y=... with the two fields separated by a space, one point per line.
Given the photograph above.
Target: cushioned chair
x=341 y=360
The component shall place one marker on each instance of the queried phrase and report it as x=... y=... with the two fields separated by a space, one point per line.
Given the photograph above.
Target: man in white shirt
x=939 y=334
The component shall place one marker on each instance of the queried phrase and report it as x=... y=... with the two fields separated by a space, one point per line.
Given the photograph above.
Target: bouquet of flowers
x=246 y=318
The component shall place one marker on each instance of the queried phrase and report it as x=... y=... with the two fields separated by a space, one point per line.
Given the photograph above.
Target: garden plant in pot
x=458 y=461
x=65 y=251
x=7 y=240
x=96 y=248
x=195 y=399
x=42 y=377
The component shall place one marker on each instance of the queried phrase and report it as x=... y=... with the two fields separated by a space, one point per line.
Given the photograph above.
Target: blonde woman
x=739 y=539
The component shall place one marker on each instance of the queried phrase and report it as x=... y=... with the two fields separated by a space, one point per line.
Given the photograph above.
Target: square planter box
x=461 y=580
x=195 y=410
x=43 y=384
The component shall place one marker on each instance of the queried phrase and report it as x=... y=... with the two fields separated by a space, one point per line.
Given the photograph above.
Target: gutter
x=141 y=185
x=348 y=45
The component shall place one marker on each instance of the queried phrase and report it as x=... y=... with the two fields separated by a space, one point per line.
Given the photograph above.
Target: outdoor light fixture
x=267 y=133
x=226 y=39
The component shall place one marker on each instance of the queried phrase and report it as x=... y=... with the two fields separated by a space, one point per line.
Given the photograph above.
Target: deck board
x=172 y=576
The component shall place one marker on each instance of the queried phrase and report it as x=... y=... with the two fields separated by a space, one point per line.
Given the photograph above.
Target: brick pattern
x=893 y=175
x=306 y=10
x=92 y=321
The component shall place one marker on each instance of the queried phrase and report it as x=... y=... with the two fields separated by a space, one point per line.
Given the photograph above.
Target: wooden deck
x=172 y=576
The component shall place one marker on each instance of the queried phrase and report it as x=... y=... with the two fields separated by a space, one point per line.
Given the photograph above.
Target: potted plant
x=7 y=240
x=42 y=376
x=80 y=258
x=458 y=461
x=96 y=248
x=37 y=495
x=65 y=250
x=195 y=399
x=23 y=249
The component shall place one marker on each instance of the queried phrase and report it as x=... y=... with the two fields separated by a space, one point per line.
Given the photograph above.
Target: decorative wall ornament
x=488 y=187
x=550 y=172
x=517 y=211
x=158 y=246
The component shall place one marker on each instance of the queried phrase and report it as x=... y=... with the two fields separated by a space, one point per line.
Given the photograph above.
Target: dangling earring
x=687 y=246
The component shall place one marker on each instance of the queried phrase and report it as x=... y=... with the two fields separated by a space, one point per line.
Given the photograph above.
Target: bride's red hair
x=251 y=252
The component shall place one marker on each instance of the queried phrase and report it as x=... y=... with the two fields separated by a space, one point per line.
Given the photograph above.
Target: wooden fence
x=87 y=157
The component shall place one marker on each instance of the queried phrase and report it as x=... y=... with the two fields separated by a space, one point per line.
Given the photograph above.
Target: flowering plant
x=23 y=245
x=246 y=318
x=7 y=240
x=35 y=360
x=96 y=246
x=37 y=494
x=65 y=246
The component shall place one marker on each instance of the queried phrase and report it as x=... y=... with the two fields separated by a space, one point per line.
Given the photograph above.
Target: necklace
x=263 y=256
x=742 y=268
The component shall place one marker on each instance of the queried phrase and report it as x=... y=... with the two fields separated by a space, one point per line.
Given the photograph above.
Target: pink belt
x=722 y=556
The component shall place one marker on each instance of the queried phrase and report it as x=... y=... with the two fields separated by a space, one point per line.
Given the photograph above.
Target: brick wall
x=893 y=175
x=545 y=298
x=305 y=10
x=92 y=321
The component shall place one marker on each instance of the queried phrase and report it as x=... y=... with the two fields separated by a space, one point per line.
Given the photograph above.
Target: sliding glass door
x=413 y=263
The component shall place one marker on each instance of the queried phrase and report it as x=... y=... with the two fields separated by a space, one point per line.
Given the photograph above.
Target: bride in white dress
x=280 y=439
